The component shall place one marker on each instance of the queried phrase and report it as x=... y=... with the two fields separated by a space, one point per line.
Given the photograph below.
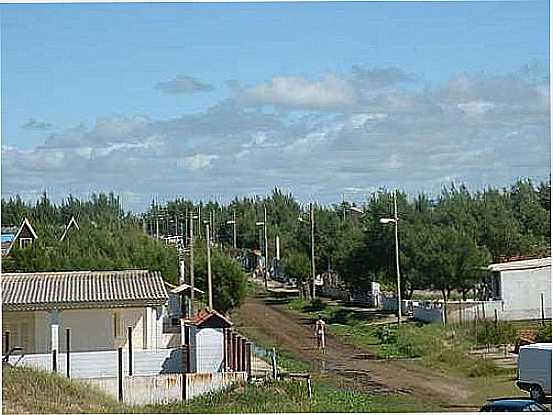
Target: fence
x=102 y=364
x=162 y=389
x=459 y=311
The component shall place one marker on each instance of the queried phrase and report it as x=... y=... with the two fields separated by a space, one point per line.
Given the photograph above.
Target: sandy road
x=346 y=364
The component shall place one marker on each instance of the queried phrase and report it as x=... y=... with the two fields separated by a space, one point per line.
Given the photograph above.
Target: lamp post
x=312 y=223
x=192 y=217
x=264 y=224
x=209 y=287
x=394 y=220
x=233 y=223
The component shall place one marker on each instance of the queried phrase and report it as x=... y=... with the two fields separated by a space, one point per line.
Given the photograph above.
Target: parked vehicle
x=513 y=405
x=534 y=370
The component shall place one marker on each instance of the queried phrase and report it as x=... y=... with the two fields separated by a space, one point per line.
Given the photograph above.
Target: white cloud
x=199 y=161
x=328 y=93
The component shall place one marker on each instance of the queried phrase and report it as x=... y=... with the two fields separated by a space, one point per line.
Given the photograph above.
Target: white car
x=534 y=370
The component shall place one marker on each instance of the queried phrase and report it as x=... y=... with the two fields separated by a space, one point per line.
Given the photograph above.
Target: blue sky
x=213 y=100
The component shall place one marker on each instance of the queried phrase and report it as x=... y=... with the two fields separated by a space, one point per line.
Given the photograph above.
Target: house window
x=116 y=325
x=25 y=242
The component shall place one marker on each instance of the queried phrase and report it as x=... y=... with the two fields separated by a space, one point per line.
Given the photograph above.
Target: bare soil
x=344 y=364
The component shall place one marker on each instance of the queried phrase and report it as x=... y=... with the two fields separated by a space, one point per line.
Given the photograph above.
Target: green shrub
x=544 y=334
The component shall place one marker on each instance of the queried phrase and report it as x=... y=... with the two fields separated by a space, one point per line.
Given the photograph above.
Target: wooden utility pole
x=209 y=288
x=265 y=244
x=234 y=229
x=312 y=220
x=191 y=263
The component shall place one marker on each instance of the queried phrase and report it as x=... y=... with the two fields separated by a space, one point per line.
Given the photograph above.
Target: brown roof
x=81 y=289
x=208 y=318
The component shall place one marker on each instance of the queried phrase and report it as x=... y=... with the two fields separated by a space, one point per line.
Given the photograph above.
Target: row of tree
x=444 y=241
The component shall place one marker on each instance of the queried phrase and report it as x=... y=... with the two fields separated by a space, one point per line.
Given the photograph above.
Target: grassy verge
x=438 y=346
x=26 y=390
x=291 y=396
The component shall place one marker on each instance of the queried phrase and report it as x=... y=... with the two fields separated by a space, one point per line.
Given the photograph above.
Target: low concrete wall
x=104 y=363
x=335 y=293
x=466 y=311
x=390 y=304
x=428 y=314
x=162 y=389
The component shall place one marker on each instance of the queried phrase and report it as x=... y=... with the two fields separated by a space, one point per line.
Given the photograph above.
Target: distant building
x=521 y=286
x=71 y=227
x=207 y=341
x=23 y=237
x=98 y=307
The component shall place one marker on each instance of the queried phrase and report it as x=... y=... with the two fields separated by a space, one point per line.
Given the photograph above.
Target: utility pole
x=397 y=262
x=157 y=227
x=209 y=289
x=312 y=217
x=266 y=244
x=191 y=263
x=176 y=224
x=234 y=229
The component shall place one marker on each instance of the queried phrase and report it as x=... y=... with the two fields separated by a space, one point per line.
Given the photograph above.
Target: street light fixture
x=233 y=223
x=312 y=223
x=394 y=220
x=264 y=224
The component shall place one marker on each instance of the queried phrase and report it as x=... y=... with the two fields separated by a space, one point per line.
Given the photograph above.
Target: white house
x=98 y=307
x=207 y=341
x=522 y=287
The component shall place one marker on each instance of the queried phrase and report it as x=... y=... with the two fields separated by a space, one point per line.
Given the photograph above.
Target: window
x=116 y=325
x=25 y=242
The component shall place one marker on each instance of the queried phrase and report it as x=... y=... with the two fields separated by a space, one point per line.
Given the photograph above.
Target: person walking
x=320 y=333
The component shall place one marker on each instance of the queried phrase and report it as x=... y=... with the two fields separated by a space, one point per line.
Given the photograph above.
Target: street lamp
x=264 y=224
x=312 y=223
x=209 y=287
x=394 y=220
x=233 y=223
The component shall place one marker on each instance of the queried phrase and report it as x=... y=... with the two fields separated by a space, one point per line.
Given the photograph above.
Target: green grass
x=291 y=396
x=438 y=346
x=26 y=390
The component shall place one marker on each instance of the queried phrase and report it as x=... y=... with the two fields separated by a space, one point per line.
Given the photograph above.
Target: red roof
x=208 y=318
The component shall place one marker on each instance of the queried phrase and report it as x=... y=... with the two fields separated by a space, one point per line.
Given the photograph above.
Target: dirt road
x=346 y=364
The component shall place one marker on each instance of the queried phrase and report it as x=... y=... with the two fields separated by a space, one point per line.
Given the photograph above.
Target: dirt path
x=347 y=364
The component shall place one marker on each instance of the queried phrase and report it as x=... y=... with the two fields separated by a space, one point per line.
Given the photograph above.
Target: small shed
x=207 y=341
x=523 y=287
x=24 y=237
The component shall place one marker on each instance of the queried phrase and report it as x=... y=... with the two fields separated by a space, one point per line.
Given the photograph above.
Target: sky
x=323 y=100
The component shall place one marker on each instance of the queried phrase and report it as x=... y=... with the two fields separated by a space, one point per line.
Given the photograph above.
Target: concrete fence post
x=239 y=353
x=120 y=373
x=67 y=352
x=129 y=337
x=234 y=352
x=7 y=342
x=249 y=360
x=54 y=361
x=244 y=359
x=542 y=310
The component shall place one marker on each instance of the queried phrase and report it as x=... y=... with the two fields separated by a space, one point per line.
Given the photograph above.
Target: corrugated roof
x=527 y=264
x=202 y=317
x=82 y=289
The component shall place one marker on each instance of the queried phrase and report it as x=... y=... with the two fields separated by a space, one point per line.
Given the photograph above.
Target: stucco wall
x=521 y=293
x=207 y=350
x=91 y=329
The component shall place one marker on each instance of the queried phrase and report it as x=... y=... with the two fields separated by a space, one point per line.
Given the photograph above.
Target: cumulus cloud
x=34 y=124
x=481 y=129
x=199 y=161
x=183 y=84
x=328 y=93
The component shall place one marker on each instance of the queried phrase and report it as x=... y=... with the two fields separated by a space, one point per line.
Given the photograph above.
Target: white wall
x=207 y=349
x=520 y=292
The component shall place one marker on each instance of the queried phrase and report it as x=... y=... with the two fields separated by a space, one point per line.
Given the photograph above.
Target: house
x=72 y=226
x=24 y=236
x=523 y=287
x=207 y=341
x=98 y=307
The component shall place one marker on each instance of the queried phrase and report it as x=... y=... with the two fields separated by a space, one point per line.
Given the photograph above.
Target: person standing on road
x=320 y=333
